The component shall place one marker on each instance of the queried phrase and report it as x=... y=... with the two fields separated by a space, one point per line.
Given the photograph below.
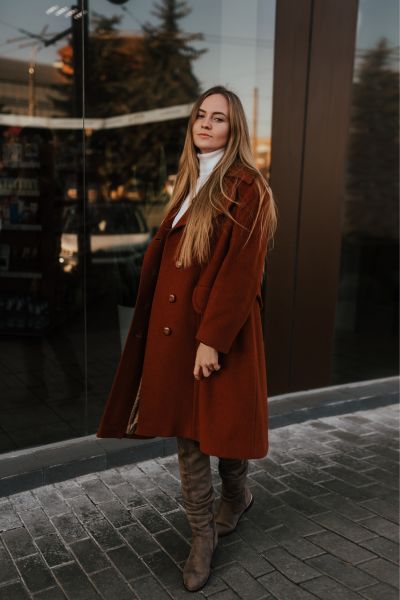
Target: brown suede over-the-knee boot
x=236 y=497
x=198 y=498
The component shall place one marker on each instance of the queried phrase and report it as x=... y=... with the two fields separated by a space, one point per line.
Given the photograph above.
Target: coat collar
x=236 y=171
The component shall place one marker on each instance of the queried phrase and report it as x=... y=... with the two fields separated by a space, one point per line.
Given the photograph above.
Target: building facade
x=94 y=103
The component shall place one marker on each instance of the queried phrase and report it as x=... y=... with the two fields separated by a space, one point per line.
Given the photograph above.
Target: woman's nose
x=206 y=123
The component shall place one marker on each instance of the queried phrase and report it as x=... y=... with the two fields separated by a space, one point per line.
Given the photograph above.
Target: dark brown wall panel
x=312 y=89
x=292 y=33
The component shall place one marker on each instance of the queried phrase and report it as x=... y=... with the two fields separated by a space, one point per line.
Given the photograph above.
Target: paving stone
x=137 y=478
x=382 y=527
x=8 y=517
x=84 y=508
x=128 y=495
x=329 y=589
x=89 y=555
x=345 y=489
x=151 y=519
x=310 y=489
x=97 y=491
x=383 y=570
x=346 y=460
x=8 y=571
x=282 y=588
x=14 y=591
x=214 y=586
x=69 y=527
x=228 y=595
x=137 y=537
x=380 y=591
x=274 y=486
x=69 y=489
x=74 y=583
x=19 y=542
x=148 y=588
x=104 y=534
x=308 y=472
x=296 y=545
x=24 y=501
x=290 y=566
x=244 y=555
x=388 y=479
x=383 y=547
x=389 y=510
x=302 y=503
x=343 y=526
x=173 y=544
x=112 y=586
x=127 y=562
x=241 y=582
x=340 y=547
x=179 y=521
x=164 y=569
x=295 y=521
x=169 y=484
x=54 y=593
x=255 y=537
x=161 y=501
x=345 y=507
x=112 y=477
x=34 y=573
x=271 y=467
x=342 y=571
x=117 y=514
x=53 y=550
x=37 y=522
x=52 y=502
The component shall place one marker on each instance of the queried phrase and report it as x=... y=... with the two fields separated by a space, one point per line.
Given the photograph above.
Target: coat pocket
x=200 y=297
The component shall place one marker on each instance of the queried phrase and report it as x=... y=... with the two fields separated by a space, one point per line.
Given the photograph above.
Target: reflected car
x=116 y=232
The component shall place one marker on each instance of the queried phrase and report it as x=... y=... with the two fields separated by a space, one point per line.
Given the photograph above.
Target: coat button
x=178 y=264
x=172 y=298
x=167 y=330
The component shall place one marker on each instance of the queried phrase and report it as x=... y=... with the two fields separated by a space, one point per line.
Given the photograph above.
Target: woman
x=193 y=363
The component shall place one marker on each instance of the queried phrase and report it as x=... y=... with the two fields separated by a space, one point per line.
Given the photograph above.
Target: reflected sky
x=238 y=36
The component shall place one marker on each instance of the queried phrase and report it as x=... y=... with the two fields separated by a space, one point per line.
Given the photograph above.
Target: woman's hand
x=206 y=361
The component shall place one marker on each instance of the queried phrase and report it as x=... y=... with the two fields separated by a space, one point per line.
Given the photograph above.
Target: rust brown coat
x=176 y=308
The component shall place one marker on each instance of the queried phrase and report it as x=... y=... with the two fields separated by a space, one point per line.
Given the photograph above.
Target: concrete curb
x=34 y=467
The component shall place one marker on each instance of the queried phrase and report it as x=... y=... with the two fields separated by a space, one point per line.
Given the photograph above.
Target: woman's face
x=211 y=128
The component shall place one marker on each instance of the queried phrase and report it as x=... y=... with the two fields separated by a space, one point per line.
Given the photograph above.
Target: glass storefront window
x=366 y=334
x=93 y=113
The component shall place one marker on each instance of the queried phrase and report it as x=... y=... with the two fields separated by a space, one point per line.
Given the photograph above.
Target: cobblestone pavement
x=323 y=525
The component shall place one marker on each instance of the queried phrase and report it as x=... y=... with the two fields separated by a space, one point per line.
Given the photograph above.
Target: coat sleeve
x=238 y=280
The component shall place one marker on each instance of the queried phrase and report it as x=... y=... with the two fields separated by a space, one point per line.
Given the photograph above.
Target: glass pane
x=86 y=172
x=366 y=340
x=42 y=367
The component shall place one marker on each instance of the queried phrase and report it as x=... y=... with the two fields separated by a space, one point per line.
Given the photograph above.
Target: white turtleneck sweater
x=207 y=162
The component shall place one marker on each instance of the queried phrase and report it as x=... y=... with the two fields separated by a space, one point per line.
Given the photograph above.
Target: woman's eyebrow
x=214 y=113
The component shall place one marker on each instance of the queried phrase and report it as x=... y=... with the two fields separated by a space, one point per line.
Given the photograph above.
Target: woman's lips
x=204 y=135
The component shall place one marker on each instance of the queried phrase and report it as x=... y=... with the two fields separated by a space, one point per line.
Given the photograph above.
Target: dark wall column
x=314 y=54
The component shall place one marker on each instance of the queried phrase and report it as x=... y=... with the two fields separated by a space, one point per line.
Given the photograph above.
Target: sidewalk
x=323 y=524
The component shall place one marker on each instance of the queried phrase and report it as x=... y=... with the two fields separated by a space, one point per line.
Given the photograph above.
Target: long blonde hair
x=211 y=200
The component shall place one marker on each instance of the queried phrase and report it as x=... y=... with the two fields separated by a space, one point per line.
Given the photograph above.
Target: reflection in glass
x=93 y=111
x=366 y=344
